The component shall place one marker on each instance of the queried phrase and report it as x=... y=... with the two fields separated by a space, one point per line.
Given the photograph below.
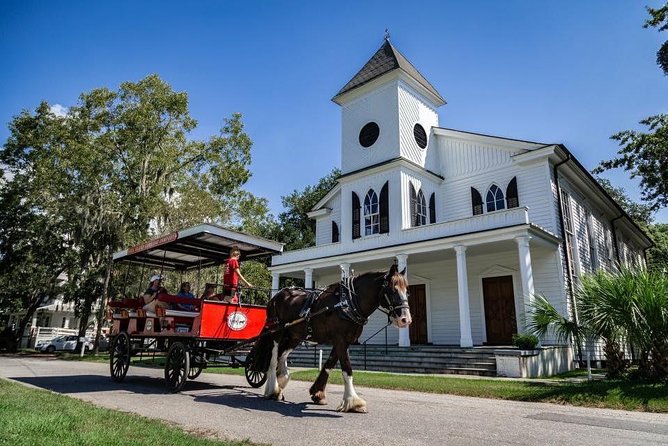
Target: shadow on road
x=246 y=400
x=69 y=384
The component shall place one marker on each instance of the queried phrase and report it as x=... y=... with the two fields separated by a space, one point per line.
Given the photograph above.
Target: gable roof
x=386 y=59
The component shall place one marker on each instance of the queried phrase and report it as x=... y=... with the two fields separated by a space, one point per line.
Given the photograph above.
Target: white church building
x=482 y=223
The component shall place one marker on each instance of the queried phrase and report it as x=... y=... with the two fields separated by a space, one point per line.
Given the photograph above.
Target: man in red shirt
x=232 y=276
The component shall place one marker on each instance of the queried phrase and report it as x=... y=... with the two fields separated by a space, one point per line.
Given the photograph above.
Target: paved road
x=224 y=406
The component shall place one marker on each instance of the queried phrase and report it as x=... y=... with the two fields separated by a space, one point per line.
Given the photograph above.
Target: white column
x=526 y=272
x=404 y=333
x=345 y=270
x=308 y=277
x=465 y=340
x=274 y=282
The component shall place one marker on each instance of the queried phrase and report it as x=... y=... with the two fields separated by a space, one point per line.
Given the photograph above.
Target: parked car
x=62 y=343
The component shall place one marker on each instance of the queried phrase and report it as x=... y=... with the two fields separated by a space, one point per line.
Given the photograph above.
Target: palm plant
x=628 y=306
x=543 y=317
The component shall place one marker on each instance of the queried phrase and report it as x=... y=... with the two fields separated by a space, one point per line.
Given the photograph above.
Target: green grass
x=613 y=394
x=38 y=417
x=604 y=393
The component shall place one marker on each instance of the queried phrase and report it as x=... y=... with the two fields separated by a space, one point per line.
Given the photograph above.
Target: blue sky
x=571 y=72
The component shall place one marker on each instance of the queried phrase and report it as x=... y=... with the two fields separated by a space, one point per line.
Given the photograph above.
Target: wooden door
x=500 y=317
x=417 y=300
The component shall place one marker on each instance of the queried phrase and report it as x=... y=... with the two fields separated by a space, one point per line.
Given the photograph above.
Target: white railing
x=478 y=223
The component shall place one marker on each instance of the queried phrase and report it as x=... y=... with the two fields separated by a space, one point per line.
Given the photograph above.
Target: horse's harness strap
x=347 y=308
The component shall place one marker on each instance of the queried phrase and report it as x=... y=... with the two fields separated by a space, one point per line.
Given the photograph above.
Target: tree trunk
x=35 y=302
x=105 y=299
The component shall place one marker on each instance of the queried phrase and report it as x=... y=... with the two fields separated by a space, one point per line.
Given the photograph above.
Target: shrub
x=525 y=341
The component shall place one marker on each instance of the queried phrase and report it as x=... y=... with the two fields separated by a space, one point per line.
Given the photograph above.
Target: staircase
x=415 y=359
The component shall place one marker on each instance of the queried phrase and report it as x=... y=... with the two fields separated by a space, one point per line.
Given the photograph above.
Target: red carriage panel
x=221 y=320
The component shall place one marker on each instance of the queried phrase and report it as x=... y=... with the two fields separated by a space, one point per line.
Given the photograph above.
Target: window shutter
x=356 y=216
x=383 y=204
x=511 y=194
x=432 y=208
x=476 y=201
x=335 y=232
x=413 y=198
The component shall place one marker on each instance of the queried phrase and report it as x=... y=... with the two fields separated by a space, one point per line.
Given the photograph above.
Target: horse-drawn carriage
x=256 y=337
x=211 y=333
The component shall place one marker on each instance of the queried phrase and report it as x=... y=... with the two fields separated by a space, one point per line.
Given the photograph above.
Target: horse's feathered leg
x=351 y=401
x=285 y=348
x=272 y=389
x=317 y=390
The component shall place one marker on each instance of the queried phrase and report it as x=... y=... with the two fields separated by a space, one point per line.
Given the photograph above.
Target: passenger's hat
x=155 y=277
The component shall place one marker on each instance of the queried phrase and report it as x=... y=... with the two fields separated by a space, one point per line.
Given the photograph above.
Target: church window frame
x=371 y=213
x=494 y=199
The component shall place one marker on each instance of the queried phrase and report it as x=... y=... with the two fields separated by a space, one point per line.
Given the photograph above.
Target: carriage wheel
x=194 y=372
x=177 y=367
x=254 y=377
x=119 y=357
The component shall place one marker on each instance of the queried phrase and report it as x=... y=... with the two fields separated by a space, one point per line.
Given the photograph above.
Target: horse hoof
x=356 y=405
x=319 y=398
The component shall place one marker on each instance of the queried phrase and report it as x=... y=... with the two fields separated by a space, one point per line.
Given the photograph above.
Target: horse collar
x=348 y=308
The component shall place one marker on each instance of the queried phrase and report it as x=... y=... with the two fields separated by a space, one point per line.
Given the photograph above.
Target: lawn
x=612 y=394
x=39 y=417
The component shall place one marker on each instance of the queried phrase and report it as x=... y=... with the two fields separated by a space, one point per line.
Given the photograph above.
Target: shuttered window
x=476 y=201
x=511 y=194
x=335 y=232
x=356 y=216
x=384 y=210
x=432 y=208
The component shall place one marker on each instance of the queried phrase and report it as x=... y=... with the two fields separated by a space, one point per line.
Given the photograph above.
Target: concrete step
x=414 y=359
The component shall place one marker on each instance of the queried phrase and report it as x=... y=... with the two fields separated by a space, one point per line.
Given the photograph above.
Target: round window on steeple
x=420 y=136
x=369 y=134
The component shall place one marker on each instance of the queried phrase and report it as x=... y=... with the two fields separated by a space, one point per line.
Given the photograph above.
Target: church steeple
x=385 y=60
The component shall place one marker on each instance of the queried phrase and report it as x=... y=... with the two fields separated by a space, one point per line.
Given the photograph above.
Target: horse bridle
x=384 y=291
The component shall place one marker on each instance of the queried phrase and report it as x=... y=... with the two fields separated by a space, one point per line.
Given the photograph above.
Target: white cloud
x=59 y=110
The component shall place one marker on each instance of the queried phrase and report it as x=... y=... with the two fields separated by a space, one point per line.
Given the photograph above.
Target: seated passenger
x=184 y=291
x=209 y=291
x=232 y=276
x=150 y=296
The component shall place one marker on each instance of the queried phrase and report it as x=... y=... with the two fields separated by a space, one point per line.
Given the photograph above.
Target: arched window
x=371 y=213
x=494 y=199
x=418 y=207
x=511 y=194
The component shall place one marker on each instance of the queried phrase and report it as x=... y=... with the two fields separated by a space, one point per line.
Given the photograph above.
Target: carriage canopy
x=197 y=247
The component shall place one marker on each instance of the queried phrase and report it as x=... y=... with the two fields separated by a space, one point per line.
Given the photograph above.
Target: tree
x=645 y=154
x=642 y=214
x=659 y=19
x=116 y=167
x=295 y=228
x=657 y=255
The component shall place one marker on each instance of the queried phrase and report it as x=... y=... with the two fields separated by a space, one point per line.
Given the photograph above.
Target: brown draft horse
x=337 y=318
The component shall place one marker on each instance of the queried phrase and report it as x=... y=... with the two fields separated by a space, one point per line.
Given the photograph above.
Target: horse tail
x=263 y=348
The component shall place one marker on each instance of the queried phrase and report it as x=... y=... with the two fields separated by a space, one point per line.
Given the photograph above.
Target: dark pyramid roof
x=386 y=59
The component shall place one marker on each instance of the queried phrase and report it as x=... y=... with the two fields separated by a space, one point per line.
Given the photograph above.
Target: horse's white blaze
x=351 y=401
x=404 y=320
x=271 y=389
x=283 y=371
